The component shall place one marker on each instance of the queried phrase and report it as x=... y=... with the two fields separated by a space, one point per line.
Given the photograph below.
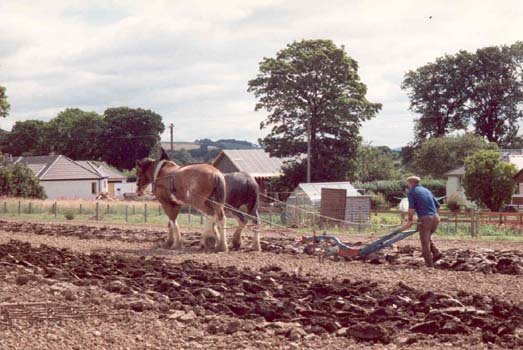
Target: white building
x=63 y=178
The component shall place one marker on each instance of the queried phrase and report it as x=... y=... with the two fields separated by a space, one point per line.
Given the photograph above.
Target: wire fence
x=275 y=214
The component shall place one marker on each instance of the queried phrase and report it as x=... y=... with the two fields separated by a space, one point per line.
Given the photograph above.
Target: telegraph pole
x=172 y=143
x=308 y=148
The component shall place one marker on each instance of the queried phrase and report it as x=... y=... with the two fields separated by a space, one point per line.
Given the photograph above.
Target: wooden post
x=159 y=210
x=134 y=209
x=145 y=212
x=270 y=217
x=55 y=209
x=30 y=208
x=19 y=207
x=201 y=219
x=80 y=208
x=190 y=219
x=97 y=213
x=455 y=223
x=126 y=212
x=5 y=207
x=108 y=210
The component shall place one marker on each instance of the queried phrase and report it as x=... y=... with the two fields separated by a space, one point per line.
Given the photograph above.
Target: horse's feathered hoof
x=236 y=245
x=222 y=247
x=167 y=244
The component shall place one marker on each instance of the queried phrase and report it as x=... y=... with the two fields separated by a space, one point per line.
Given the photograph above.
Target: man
x=426 y=206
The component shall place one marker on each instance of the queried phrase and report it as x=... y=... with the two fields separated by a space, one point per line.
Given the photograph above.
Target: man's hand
x=410 y=220
x=406 y=226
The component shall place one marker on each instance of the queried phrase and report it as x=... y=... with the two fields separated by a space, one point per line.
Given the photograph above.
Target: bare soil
x=76 y=286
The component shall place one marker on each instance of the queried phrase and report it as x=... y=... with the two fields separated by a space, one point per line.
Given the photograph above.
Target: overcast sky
x=190 y=61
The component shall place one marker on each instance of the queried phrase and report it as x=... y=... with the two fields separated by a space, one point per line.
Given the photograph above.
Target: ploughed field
x=77 y=286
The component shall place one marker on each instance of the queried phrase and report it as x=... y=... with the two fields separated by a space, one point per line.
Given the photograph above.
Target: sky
x=190 y=61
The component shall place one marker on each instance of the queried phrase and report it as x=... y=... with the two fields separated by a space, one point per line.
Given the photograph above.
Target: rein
x=157 y=169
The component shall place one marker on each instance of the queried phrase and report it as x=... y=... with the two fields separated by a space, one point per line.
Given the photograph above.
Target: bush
x=69 y=215
x=17 y=180
x=455 y=201
x=378 y=201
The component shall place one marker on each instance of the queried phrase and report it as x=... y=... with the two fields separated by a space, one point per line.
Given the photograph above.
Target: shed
x=256 y=162
x=307 y=197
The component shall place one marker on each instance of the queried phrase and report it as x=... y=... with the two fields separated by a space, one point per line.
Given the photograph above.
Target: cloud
x=190 y=61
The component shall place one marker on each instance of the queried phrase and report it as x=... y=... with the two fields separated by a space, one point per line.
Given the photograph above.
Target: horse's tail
x=254 y=199
x=218 y=193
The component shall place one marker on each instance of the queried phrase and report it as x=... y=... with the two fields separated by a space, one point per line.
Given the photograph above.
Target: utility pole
x=308 y=148
x=172 y=143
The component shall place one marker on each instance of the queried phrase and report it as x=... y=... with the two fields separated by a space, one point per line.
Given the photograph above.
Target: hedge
x=394 y=190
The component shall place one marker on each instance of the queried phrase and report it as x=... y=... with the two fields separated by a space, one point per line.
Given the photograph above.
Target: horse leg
x=209 y=237
x=219 y=220
x=237 y=237
x=174 y=238
x=256 y=236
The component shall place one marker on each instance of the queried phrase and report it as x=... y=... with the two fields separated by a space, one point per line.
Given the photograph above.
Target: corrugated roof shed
x=256 y=162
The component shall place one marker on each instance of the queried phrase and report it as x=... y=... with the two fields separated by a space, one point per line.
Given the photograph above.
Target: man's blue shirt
x=423 y=201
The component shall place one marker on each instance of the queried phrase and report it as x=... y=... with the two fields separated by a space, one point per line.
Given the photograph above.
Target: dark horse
x=242 y=190
x=201 y=186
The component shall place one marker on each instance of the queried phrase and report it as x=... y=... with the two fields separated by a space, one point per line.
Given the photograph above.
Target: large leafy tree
x=75 y=134
x=376 y=163
x=4 y=105
x=438 y=155
x=27 y=138
x=481 y=90
x=129 y=134
x=316 y=81
x=488 y=179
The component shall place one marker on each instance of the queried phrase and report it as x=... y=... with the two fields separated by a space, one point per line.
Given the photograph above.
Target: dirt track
x=285 y=299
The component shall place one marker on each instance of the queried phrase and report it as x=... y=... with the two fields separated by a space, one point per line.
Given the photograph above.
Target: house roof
x=58 y=167
x=456 y=172
x=313 y=190
x=102 y=169
x=256 y=162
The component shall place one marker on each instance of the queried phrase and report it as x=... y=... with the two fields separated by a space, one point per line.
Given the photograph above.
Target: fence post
x=5 y=207
x=145 y=212
x=80 y=208
x=19 y=207
x=30 y=208
x=201 y=219
x=55 y=209
x=159 y=210
x=472 y=224
x=97 y=215
x=190 y=219
x=126 y=212
x=270 y=217
x=108 y=210
x=134 y=209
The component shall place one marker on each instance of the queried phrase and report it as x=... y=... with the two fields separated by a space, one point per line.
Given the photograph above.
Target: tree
x=376 y=163
x=4 y=105
x=488 y=180
x=17 y=180
x=483 y=90
x=313 y=81
x=75 y=134
x=129 y=134
x=27 y=138
x=439 y=155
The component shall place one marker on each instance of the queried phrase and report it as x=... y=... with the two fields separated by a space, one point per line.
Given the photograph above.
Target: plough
x=340 y=249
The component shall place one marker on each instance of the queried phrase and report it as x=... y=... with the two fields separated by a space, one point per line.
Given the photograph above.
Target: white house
x=114 y=177
x=63 y=178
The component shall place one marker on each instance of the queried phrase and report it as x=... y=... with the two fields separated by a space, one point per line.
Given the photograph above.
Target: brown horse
x=201 y=186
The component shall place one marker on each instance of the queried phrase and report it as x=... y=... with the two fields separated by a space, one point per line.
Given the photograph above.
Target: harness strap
x=156 y=172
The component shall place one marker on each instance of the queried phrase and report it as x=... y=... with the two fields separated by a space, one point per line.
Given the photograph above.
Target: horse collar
x=157 y=171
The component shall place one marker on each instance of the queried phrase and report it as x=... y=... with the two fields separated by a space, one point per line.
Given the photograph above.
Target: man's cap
x=414 y=178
